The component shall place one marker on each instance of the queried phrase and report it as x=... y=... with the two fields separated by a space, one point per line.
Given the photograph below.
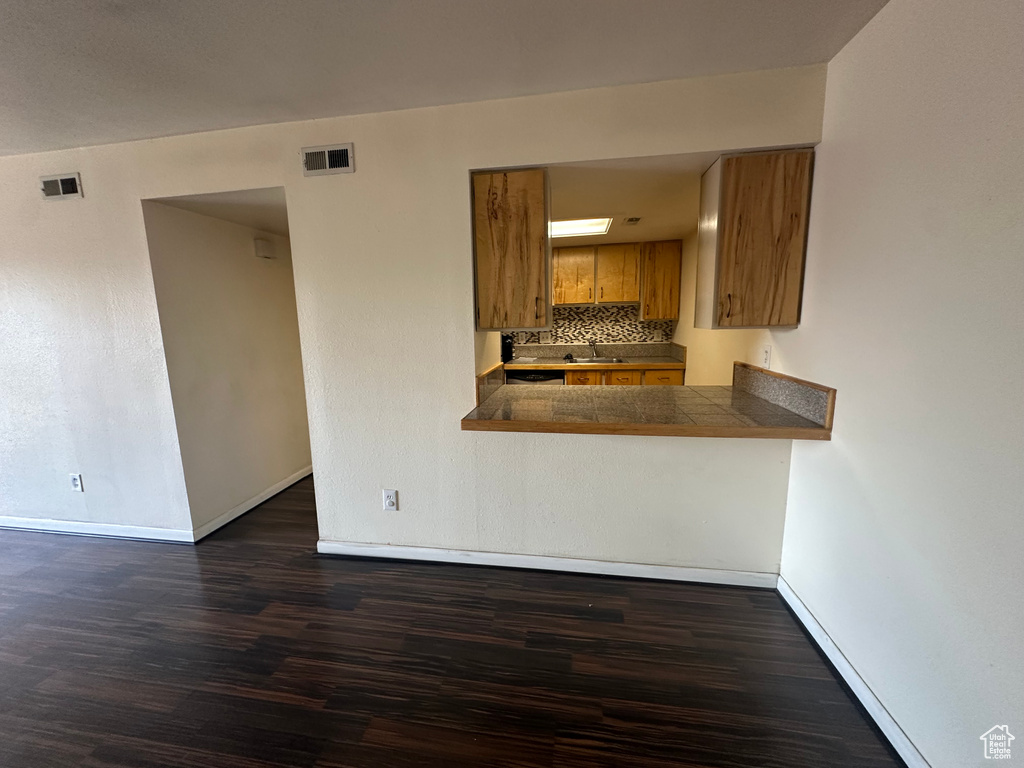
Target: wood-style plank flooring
x=250 y=650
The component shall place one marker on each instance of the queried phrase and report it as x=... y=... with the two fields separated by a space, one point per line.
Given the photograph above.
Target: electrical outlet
x=545 y=337
x=76 y=482
x=658 y=335
x=766 y=356
x=520 y=337
x=390 y=500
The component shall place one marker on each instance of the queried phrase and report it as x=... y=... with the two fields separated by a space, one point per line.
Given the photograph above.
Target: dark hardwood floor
x=249 y=650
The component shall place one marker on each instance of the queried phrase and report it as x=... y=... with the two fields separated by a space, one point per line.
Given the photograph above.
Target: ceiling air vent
x=321 y=161
x=61 y=186
x=631 y=221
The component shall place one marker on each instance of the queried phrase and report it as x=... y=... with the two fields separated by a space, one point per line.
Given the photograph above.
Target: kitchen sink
x=596 y=360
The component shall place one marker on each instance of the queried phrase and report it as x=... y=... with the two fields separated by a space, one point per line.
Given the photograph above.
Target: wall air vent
x=631 y=221
x=61 y=186
x=322 y=161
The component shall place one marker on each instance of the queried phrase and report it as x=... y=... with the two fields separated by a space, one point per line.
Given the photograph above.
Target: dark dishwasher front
x=534 y=377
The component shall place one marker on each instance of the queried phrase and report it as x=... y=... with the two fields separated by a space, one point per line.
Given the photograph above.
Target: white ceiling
x=262 y=209
x=664 y=191
x=82 y=72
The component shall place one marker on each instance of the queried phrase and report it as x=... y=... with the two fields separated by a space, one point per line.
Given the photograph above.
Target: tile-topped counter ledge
x=651 y=355
x=555 y=363
x=759 y=404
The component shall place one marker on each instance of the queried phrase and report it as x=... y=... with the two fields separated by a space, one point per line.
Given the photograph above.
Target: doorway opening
x=225 y=294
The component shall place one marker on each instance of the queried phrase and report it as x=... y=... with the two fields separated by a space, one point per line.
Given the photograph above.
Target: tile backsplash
x=607 y=324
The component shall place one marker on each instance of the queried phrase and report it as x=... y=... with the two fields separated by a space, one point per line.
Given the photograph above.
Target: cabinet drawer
x=582 y=377
x=663 y=378
x=622 y=378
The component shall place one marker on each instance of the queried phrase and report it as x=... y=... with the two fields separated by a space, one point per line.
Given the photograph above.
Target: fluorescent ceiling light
x=578 y=227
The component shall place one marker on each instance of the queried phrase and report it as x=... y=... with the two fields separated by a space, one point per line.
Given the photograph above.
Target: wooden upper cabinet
x=662 y=266
x=618 y=273
x=511 y=249
x=573 y=275
x=751 y=239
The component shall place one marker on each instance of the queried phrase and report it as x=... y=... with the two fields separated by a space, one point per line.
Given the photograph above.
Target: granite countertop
x=533 y=363
x=631 y=410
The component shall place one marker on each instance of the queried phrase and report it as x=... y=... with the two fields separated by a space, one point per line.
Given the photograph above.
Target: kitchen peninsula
x=759 y=404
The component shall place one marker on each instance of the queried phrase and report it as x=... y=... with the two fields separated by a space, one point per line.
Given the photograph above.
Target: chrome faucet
x=593 y=346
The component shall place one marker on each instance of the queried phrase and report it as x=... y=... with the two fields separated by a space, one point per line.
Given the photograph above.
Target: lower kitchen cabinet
x=583 y=377
x=622 y=378
x=663 y=378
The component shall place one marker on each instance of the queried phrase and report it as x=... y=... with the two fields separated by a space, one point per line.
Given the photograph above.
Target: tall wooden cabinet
x=511 y=249
x=751 y=239
x=618 y=273
x=662 y=266
x=572 y=272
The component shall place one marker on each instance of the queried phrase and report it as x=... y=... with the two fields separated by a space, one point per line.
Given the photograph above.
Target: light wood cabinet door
x=618 y=273
x=762 y=232
x=622 y=378
x=584 y=378
x=573 y=275
x=511 y=249
x=663 y=378
x=662 y=267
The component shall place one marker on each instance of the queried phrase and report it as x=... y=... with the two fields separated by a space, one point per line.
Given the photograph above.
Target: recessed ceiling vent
x=631 y=221
x=61 y=186
x=322 y=161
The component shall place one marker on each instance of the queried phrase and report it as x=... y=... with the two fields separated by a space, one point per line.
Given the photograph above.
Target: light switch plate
x=390 y=500
x=520 y=337
x=658 y=335
x=766 y=356
x=76 y=482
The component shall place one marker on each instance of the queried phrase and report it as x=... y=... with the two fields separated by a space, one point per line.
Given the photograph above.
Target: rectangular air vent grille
x=334 y=158
x=61 y=185
x=631 y=221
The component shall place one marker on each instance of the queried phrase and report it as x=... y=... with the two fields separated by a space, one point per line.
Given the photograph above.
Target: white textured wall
x=231 y=338
x=904 y=535
x=83 y=383
x=382 y=263
x=380 y=420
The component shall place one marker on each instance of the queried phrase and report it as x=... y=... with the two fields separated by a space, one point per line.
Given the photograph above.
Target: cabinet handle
x=602 y=291
x=728 y=312
x=536 y=308
x=647 y=309
x=590 y=293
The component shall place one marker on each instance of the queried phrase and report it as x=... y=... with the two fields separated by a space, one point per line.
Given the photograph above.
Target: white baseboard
x=109 y=530
x=150 y=534
x=885 y=722
x=546 y=563
x=221 y=520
